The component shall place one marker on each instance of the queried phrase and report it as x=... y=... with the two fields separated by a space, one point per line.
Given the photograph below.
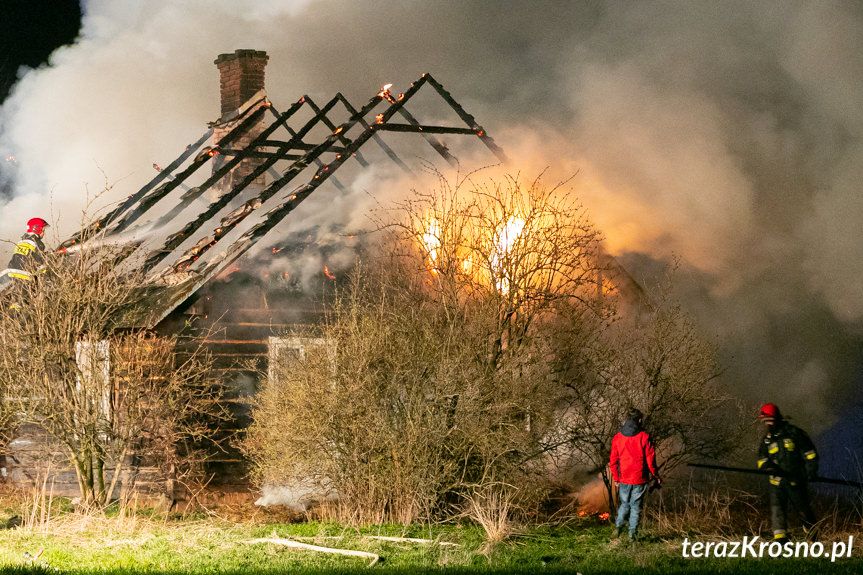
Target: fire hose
x=831 y=480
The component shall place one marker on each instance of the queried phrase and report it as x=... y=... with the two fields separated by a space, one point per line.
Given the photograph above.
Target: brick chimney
x=241 y=78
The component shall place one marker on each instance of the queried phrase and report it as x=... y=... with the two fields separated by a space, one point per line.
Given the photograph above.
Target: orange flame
x=379 y=119
x=386 y=94
x=431 y=239
x=604 y=516
x=506 y=239
x=328 y=274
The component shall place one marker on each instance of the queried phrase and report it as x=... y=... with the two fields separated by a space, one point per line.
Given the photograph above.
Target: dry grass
x=492 y=508
x=717 y=511
x=722 y=511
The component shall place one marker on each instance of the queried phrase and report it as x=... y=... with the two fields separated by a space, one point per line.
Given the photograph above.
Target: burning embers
x=226 y=224
x=604 y=516
x=388 y=96
x=205 y=154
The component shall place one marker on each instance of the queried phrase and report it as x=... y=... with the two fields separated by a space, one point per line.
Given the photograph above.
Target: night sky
x=29 y=31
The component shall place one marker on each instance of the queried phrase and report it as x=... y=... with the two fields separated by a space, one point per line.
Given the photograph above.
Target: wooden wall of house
x=243 y=313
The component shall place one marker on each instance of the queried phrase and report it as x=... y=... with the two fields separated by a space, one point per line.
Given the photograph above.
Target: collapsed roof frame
x=296 y=149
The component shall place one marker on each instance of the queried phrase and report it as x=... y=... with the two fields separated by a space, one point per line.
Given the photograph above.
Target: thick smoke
x=729 y=134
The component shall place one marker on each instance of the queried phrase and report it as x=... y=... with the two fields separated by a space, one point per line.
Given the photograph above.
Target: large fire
x=505 y=241
x=431 y=241
x=495 y=271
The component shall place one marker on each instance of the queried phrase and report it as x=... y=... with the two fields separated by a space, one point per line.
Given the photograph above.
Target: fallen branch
x=411 y=540
x=297 y=545
x=388 y=538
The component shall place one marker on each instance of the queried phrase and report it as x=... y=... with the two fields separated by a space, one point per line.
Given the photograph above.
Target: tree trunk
x=99 y=480
x=609 y=492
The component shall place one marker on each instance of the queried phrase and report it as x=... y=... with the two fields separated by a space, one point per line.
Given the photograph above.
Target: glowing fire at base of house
x=605 y=516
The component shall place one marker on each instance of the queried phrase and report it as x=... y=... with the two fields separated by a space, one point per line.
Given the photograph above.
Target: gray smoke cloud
x=729 y=134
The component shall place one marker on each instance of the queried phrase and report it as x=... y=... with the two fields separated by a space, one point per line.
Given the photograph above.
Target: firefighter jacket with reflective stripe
x=28 y=254
x=787 y=450
x=633 y=457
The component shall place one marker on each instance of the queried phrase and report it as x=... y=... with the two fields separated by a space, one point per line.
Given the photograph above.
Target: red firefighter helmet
x=769 y=410
x=36 y=226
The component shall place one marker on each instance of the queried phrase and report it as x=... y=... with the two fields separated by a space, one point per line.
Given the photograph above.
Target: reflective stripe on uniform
x=17 y=274
x=773 y=448
x=25 y=247
x=778 y=533
x=789 y=444
x=810 y=455
x=761 y=462
x=775 y=480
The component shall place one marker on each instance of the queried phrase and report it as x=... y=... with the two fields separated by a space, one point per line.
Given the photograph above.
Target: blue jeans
x=631 y=497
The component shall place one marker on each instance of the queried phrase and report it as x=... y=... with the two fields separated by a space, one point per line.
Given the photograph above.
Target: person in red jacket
x=633 y=466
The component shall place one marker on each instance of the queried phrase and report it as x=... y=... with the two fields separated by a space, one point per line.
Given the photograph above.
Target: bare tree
x=71 y=363
x=653 y=358
x=434 y=383
x=479 y=345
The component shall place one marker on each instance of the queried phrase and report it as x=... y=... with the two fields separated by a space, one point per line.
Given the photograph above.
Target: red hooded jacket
x=633 y=458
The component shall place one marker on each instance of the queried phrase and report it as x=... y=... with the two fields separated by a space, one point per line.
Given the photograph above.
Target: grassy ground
x=146 y=543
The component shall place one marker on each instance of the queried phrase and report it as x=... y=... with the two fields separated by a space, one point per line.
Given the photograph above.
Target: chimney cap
x=237 y=54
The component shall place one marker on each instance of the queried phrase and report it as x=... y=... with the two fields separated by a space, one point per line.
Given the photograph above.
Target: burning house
x=193 y=229
x=208 y=232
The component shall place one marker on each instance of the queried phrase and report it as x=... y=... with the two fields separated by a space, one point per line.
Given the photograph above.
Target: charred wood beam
x=326 y=121
x=254 y=234
x=418 y=129
x=468 y=119
x=276 y=215
x=106 y=220
x=383 y=145
x=258 y=154
x=176 y=296
x=334 y=128
x=176 y=239
x=279 y=152
x=237 y=157
x=438 y=146
x=199 y=161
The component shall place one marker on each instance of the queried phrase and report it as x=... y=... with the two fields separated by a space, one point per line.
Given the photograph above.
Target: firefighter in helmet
x=28 y=254
x=787 y=453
